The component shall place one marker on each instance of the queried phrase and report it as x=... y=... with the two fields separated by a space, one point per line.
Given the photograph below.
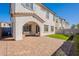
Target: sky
x=4 y=12
x=70 y=12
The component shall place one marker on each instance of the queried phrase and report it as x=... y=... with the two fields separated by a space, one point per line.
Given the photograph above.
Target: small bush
x=76 y=45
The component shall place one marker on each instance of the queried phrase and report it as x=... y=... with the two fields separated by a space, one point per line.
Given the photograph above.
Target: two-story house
x=32 y=19
x=61 y=23
x=6 y=24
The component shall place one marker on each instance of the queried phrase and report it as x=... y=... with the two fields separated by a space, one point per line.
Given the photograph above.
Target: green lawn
x=59 y=36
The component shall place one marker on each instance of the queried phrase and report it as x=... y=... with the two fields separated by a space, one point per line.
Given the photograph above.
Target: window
x=27 y=5
x=4 y=24
x=56 y=21
x=52 y=28
x=47 y=15
x=56 y=28
x=25 y=28
x=37 y=29
x=45 y=28
x=9 y=24
x=29 y=28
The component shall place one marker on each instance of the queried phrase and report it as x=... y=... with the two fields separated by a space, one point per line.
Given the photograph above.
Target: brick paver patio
x=31 y=46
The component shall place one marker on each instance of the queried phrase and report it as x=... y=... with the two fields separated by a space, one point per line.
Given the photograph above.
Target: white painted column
x=17 y=30
x=41 y=30
x=33 y=28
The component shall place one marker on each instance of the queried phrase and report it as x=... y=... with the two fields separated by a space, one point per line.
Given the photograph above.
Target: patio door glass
x=37 y=29
x=30 y=28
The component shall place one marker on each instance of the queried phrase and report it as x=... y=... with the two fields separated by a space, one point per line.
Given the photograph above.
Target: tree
x=77 y=26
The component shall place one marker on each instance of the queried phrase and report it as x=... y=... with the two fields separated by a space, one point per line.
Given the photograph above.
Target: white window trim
x=27 y=7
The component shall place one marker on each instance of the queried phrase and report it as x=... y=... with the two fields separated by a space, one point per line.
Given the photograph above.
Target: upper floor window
x=27 y=5
x=56 y=21
x=47 y=15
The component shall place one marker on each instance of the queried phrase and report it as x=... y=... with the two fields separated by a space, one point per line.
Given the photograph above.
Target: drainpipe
x=62 y=26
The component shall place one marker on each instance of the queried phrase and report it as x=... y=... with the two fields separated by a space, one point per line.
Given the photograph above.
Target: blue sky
x=4 y=12
x=70 y=12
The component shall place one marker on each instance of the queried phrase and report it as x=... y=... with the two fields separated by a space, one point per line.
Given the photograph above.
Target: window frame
x=52 y=27
x=27 y=5
x=46 y=28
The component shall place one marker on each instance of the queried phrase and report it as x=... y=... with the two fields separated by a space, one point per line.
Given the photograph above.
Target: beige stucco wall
x=19 y=22
x=19 y=8
x=65 y=25
x=61 y=23
x=39 y=10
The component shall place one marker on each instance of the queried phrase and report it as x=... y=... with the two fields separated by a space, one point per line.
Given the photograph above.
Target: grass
x=58 y=36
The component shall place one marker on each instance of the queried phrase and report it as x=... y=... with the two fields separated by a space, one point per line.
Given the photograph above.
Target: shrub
x=76 y=45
